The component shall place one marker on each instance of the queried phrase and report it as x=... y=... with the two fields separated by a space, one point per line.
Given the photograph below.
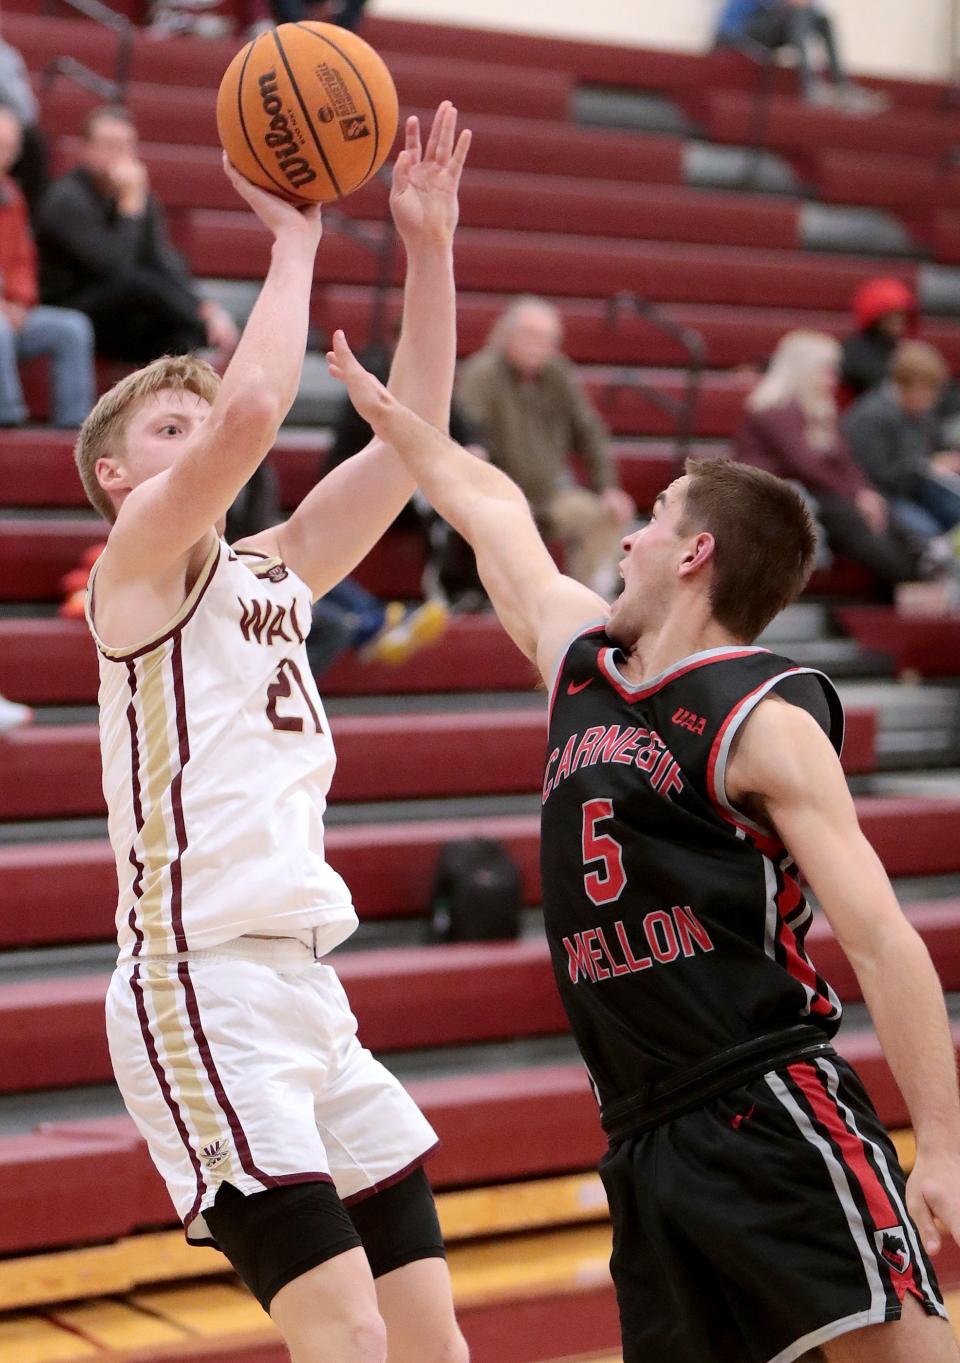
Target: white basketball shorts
x=241 y=1064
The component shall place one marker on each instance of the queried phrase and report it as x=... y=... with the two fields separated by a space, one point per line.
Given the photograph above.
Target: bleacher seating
x=554 y=205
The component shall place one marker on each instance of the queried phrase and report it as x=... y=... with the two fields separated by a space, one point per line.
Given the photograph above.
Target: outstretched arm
x=344 y=516
x=163 y=518
x=785 y=766
x=538 y=606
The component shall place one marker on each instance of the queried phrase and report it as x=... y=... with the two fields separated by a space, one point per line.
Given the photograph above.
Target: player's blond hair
x=105 y=427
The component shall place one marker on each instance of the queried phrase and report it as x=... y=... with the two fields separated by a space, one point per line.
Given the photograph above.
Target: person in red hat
x=886 y=313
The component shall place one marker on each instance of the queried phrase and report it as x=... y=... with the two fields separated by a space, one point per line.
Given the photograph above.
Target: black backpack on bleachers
x=477 y=893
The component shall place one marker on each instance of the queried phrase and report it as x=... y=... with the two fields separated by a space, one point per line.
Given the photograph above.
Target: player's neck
x=661 y=647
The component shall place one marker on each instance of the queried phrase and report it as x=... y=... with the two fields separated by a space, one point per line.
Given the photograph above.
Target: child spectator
x=894 y=433
x=26 y=330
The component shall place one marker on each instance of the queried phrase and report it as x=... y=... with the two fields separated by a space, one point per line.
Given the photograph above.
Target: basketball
x=307 y=111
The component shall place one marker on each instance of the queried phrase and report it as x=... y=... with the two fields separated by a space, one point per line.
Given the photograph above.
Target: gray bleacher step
x=464 y=808
x=837 y=657
x=320 y=397
x=57 y=962
x=236 y=296
x=706 y=166
x=50 y=513
x=908 y=749
x=601 y=106
x=22 y=1112
x=45 y=716
x=907 y=706
x=439 y=703
x=825 y=227
x=802 y=622
x=29 y=610
x=51 y=830
x=938 y=289
x=932 y=785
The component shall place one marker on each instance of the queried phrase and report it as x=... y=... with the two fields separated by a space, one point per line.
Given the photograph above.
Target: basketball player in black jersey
x=759 y=1212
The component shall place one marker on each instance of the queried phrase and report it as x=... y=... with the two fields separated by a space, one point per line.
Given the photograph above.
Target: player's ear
x=697 y=554
x=112 y=475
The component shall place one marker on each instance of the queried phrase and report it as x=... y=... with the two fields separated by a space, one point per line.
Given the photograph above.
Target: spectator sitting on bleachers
x=16 y=93
x=768 y=25
x=791 y=429
x=450 y=572
x=348 y=616
x=26 y=330
x=531 y=414
x=104 y=249
x=894 y=433
x=886 y=313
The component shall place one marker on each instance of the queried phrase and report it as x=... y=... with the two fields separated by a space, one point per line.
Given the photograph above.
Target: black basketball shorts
x=762 y=1224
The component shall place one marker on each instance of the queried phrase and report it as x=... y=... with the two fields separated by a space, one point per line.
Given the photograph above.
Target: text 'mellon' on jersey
x=676 y=925
x=217 y=760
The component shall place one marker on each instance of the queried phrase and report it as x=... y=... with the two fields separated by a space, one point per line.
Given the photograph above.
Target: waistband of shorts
x=692 y=1088
x=292 y=948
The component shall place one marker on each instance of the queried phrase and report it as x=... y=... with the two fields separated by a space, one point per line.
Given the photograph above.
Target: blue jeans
x=931 y=511
x=67 y=337
x=347 y=617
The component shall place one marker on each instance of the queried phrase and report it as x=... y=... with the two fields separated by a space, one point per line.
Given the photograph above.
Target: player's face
x=156 y=433
x=649 y=568
x=159 y=428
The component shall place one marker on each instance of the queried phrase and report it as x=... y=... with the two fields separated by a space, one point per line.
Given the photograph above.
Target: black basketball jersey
x=676 y=925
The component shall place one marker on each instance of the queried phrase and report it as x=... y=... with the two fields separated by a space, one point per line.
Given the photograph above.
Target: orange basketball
x=307 y=111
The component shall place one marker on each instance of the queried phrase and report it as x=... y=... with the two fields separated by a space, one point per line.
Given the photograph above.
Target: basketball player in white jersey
x=279 y=1137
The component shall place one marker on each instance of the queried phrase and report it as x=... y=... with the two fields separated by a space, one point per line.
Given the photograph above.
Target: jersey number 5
x=281 y=689
x=606 y=886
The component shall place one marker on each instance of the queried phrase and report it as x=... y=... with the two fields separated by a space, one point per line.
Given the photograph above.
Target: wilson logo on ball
x=280 y=137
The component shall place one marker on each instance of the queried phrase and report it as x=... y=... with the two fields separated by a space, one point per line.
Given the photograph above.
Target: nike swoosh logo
x=572 y=689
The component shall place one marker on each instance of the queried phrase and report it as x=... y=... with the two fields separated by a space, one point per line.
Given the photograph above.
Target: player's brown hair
x=918 y=362
x=105 y=427
x=765 y=541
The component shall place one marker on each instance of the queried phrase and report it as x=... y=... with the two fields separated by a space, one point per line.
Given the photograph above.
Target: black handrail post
x=683 y=412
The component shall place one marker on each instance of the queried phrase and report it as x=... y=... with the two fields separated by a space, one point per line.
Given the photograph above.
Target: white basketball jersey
x=217 y=760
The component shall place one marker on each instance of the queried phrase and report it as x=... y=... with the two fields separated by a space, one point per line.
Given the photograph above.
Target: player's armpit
x=538 y=607
x=566 y=608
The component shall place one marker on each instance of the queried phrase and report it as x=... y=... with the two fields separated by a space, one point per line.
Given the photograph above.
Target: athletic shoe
x=398 y=641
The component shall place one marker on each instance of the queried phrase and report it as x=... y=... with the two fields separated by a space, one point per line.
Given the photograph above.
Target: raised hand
x=367 y=393
x=423 y=198
x=277 y=216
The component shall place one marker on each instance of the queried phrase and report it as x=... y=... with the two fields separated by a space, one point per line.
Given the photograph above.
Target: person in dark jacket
x=791 y=429
x=894 y=433
x=104 y=250
x=886 y=314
